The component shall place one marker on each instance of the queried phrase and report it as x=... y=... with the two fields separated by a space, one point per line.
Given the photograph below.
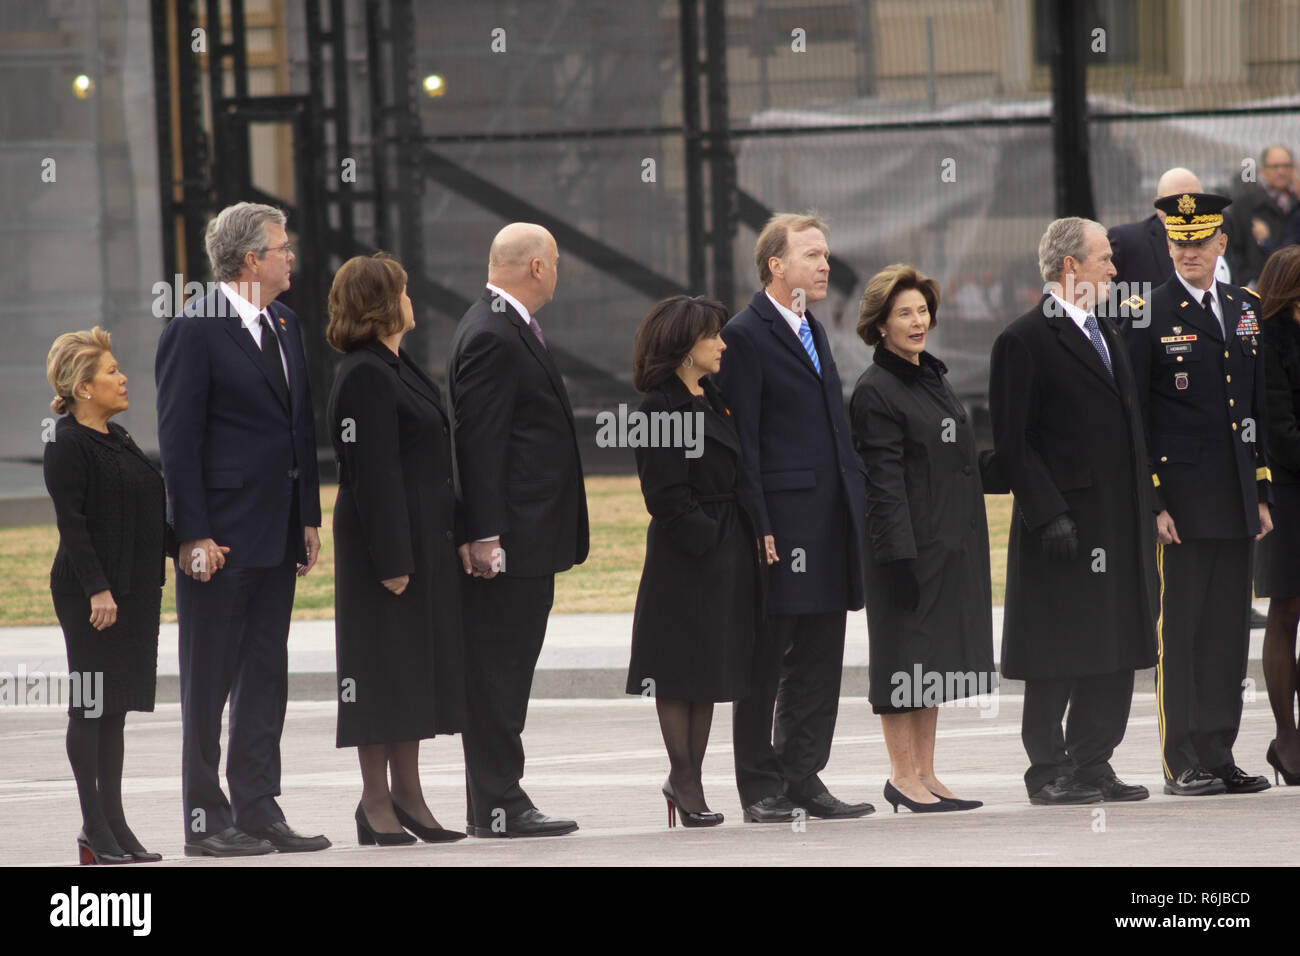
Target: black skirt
x=1277 y=554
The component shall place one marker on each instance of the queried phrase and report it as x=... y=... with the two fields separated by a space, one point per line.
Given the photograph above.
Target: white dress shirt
x=519 y=306
x=1079 y=316
x=1198 y=294
x=250 y=315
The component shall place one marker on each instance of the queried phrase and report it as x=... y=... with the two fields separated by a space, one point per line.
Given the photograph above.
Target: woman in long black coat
x=106 y=580
x=700 y=596
x=398 y=638
x=929 y=603
x=1277 y=555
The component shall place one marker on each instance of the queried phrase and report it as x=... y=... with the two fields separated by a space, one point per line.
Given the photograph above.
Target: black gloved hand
x=1060 y=539
x=904 y=590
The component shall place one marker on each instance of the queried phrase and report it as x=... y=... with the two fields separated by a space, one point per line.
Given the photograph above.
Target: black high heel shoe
x=960 y=803
x=427 y=834
x=101 y=850
x=894 y=798
x=1292 y=779
x=369 y=836
x=130 y=845
x=690 y=818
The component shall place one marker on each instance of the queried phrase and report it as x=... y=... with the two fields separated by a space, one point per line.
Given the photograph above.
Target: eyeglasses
x=287 y=248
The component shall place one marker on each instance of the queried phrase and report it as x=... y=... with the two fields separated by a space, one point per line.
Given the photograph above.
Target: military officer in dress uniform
x=1201 y=384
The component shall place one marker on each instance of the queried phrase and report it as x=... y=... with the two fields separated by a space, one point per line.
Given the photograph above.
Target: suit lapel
x=781 y=329
x=236 y=330
x=418 y=381
x=540 y=353
x=1077 y=344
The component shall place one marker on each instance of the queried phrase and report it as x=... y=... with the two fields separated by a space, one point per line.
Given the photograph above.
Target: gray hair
x=236 y=231
x=1064 y=237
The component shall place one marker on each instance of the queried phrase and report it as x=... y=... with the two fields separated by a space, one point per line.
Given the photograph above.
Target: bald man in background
x=1140 y=250
x=525 y=514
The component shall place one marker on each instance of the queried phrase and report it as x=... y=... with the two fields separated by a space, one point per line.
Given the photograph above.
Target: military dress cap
x=1192 y=217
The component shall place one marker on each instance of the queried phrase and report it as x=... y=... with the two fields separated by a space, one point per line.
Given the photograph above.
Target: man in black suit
x=525 y=512
x=1263 y=215
x=1080 y=592
x=805 y=480
x=1201 y=385
x=239 y=455
x=1139 y=250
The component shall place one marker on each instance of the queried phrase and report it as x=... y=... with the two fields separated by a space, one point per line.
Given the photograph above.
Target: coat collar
x=406 y=369
x=118 y=438
x=217 y=304
x=526 y=335
x=678 y=396
x=904 y=369
x=781 y=329
x=1077 y=344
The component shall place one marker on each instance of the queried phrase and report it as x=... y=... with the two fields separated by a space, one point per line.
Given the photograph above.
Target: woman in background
x=106 y=580
x=1277 y=555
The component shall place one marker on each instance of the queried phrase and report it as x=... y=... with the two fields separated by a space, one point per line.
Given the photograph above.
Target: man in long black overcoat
x=1081 y=577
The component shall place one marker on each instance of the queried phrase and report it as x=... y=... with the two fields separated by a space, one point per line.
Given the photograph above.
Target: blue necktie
x=805 y=336
x=1094 y=336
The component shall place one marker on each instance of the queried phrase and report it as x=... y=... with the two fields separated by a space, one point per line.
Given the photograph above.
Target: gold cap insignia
x=1186 y=204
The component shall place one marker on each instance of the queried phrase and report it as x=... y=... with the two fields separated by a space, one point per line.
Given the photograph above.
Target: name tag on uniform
x=1178 y=349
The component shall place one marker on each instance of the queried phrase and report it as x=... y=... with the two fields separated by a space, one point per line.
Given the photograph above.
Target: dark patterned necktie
x=1094 y=336
x=271 y=354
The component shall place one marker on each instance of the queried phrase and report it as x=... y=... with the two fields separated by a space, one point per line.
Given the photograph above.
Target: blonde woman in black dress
x=106 y=580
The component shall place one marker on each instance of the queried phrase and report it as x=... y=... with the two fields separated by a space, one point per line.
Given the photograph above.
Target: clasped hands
x=201 y=558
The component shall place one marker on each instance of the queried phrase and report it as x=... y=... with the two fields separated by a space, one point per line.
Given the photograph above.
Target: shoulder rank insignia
x=1254 y=293
x=1133 y=302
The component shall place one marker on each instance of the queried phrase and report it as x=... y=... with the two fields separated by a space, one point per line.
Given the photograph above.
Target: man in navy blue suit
x=238 y=452
x=805 y=481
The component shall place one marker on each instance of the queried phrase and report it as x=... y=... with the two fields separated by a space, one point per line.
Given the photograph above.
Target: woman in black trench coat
x=398 y=637
x=1277 y=555
x=929 y=604
x=700 y=596
x=106 y=580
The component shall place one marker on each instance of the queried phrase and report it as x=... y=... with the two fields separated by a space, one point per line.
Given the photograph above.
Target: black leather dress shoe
x=828 y=808
x=281 y=836
x=1236 y=780
x=231 y=841
x=1115 y=790
x=531 y=823
x=1065 y=791
x=1195 y=782
x=776 y=809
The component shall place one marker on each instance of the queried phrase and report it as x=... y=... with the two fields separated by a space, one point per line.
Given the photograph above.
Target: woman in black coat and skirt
x=398 y=637
x=700 y=596
x=106 y=580
x=1277 y=555
x=929 y=602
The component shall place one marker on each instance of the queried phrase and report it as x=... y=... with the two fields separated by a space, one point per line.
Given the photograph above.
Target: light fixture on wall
x=83 y=87
x=434 y=85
